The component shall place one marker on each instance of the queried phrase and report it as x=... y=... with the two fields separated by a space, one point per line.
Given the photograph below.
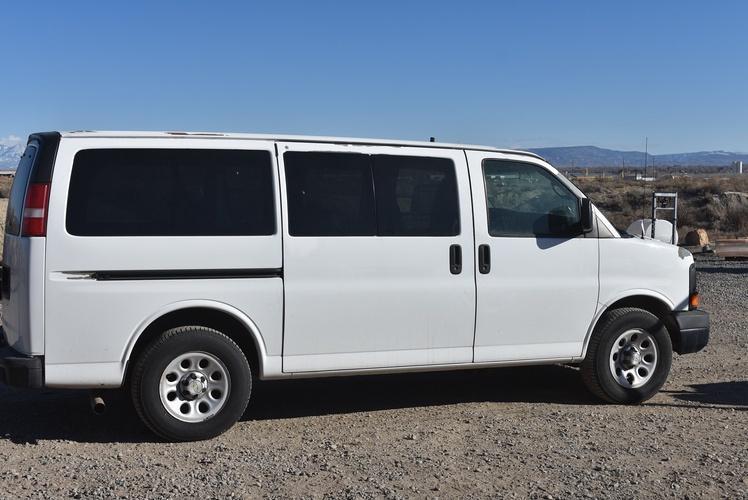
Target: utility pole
x=646 y=152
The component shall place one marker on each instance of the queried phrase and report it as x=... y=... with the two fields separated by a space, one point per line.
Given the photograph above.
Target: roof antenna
x=432 y=139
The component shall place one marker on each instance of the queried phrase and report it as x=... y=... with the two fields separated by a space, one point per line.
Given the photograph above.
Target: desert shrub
x=619 y=221
x=636 y=201
x=736 y=220
x=5 y=184
x=689 y=216
x=612 y=205
x=590 y=188
x=713 y=212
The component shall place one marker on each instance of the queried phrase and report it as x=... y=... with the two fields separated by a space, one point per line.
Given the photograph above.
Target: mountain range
x=592 y=156
x=11 y=150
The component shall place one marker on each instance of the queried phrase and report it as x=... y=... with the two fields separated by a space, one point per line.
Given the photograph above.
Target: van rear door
x=24 y=246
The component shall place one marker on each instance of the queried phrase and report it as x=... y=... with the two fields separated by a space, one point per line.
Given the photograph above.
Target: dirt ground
x=515 y=432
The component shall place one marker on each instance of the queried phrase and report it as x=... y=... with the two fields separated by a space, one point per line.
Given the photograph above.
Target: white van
x=183 y=265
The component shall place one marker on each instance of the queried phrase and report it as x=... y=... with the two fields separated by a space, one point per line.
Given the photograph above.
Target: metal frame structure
x=656 y=197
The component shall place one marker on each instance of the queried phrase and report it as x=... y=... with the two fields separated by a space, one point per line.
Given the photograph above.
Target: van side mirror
x=587 y=216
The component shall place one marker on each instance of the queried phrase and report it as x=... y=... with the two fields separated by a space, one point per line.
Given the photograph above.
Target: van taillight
x=35 y=210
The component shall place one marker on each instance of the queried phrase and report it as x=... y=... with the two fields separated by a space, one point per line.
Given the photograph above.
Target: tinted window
x=329 y=194
x=171 y=192
x=18 y=190
x=416 y=196
x=527 y=200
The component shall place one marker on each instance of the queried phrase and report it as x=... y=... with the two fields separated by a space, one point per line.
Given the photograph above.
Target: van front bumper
x=19 y=370
x=692 y=333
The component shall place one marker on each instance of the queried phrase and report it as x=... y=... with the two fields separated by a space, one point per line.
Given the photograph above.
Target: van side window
x=525 y=200
x=416 y=196
x=171 y=192
x=329 y=194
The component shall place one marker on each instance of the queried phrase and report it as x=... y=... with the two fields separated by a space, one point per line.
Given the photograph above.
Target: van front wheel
x=629 y=356
x=191 y=383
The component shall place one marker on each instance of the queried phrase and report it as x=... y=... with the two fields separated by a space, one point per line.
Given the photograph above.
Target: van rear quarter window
x=171 y=192
x=18 y=190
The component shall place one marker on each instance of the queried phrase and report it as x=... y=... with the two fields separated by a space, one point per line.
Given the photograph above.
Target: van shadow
x=27 y=417
x=31 y=416
x=340 y=395
x=732 y=393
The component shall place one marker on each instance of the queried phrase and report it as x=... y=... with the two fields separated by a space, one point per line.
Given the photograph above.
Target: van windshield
x=18 y=191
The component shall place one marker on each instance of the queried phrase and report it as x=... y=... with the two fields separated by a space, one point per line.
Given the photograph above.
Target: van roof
x=292 y=138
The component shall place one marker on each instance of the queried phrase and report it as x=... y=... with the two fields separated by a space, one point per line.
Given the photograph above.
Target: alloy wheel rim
x=633 y=358
x=194 y=386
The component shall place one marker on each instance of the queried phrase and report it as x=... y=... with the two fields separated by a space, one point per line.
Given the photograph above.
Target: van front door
x=537 y=276
x=377 y=257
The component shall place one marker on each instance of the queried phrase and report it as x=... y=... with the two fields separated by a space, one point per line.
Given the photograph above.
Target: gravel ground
x=514 y=432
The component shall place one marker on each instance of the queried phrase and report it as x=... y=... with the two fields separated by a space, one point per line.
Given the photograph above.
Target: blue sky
x=512 y=74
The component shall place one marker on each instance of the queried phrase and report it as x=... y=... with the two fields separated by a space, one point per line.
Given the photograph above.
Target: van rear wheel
x=629 y=356
x=191 y=383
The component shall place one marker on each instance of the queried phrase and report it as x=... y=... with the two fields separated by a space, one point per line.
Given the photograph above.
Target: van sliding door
x=378 y=257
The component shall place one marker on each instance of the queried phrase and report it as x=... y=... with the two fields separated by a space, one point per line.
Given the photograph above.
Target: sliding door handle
x=484 y=259
x=455 y=259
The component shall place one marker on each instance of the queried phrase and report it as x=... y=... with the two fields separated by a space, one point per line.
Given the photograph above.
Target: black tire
x=149 y=368
x=596 y=370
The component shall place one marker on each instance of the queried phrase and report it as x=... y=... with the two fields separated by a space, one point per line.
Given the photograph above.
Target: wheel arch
x=212 y=314
x=647 y=300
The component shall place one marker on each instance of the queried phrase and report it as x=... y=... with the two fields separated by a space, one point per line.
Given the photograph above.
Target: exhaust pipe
x=98 y=405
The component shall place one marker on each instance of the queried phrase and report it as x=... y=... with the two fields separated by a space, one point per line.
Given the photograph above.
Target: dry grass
x=5 y=183
x=717 y=204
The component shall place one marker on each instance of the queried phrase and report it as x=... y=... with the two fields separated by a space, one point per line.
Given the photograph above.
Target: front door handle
x=455 y=259
x=484 y=259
